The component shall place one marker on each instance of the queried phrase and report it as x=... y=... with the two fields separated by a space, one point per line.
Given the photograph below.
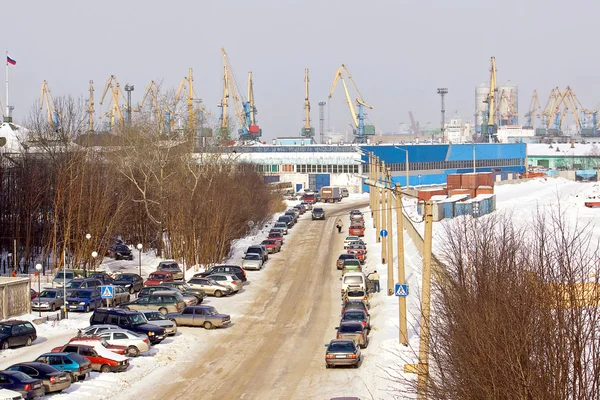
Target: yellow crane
x=47 y=99
x=489 y=128
x=224 y=135
x=91 y=107
x=114 y=111
x=552 y=108
x=307 y=130
x=187 y=84
x=361 y=130
x=533 y=107
x=159 y=108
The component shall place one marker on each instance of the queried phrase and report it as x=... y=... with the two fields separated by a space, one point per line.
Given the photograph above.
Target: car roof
x=12 y=322
x=159 y=272
x=341 y=341
x=200 y=307
x=162 y=292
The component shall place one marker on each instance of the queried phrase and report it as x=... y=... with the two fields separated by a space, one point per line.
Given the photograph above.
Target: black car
x=16 y=333
x=53 y=379
x=19 y=382
x=288 y=219
x=226 y=269
x=82 y=283
x=128 y=319
x=102 y=277
x=120 y=252
x=293 y=214
x=258 y=249
x=132 y=282
x=318 y=213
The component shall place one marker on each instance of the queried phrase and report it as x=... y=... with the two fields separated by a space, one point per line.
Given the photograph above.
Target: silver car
x=136 y=343
x=227 y=280
x=96 y=329
x=48 y=300
x=252 y=261
x=172 y=267
x=63 y=277
x=157 y=318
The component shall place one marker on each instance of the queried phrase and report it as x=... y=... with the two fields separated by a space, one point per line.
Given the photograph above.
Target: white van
x=354 y=279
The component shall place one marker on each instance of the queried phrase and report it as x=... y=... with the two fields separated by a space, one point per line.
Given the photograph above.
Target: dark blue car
x=19 y=382
x=84 y=300
x=77 y=366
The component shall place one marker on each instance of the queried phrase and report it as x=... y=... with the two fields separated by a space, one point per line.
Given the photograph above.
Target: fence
x=15 y=297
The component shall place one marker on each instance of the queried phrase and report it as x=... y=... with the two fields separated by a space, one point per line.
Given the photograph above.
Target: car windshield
x=210 y=311
x=156 y=276
x=121 y=248
x=80 y=294
x=4 y=329
x=351 y=328
x=318 y=209
x=48 y=294
x=137 y=319
x=268 y=242
x=61 y=275
x=280 y=225
x=126 y=278
x=356 y=293
x=155 y=316
x=343 y=347
x=74 y=284
x=353 y=316
x=254 y=250
x=252 y=257
x=103 y=342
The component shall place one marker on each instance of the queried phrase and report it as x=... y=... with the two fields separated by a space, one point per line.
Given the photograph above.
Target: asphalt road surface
x=270 y=349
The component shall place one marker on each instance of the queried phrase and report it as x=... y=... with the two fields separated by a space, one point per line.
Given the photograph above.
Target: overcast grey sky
x=398 y=52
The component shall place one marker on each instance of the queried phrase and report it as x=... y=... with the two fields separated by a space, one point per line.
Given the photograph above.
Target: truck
x=331 y=194
x=309 y=197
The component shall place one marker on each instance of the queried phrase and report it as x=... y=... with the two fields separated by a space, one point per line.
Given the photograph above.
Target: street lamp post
x=405 y=163
x=88 y=237
x=140 y=247
x=94 y=255
x=38 y=268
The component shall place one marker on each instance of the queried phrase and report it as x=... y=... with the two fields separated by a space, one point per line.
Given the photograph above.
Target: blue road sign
x=107 y=292
x=383 y=233
x=401 y=289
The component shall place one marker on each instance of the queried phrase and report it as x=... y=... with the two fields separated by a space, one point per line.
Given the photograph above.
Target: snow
x=564 y=149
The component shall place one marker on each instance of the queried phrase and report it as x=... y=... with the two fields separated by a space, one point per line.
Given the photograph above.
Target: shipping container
x=420 y=206
x=438 y=198
x=484 y=190
x=485 y=179
x=453 y=181
x=426 y=194
x=477 y=207
x=449 y=204
x=438 y=211
x=454 y=192
x=469 y=181
x=463 y=208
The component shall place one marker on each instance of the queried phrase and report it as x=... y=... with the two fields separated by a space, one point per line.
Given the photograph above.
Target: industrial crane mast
x=224 y=131
x=91 y=108
x=159 y=108
x=114 y=111
x=307 y=130
x=533 y=107
x=250 y=108
x=187 y=84
x=361 y=130
x=46 y=98
x=489 y=128
x=552 y=108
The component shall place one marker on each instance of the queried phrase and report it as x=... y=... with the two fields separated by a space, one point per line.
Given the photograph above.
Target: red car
x=276 y=236
x=272 y=246
x=95 y=340
x=102 y=360
x=358 y=254
x=356 y=230
x=33 y=293
x=158 y=277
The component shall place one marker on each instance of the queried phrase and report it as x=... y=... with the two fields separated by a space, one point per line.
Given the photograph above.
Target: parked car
x=96 y=341
x=353 y=330
x=53 y=379
x=48 y=300
x=357 y=230
x=102 y=359
x=307 y=206
x=205 y=316
x=73 y=364
x=225 y=269
x=158 y=277
x=172 y=267
x=164 y=301
x=350 y=239
x=227 y=280
x=273 y=246
x=159 y=319
x=358 y=254
x=281 y=225
x=259 y=249
x=33 y=294
x=186 y=290
x=29 y=387
x=252 y=261
x=340 y=261
x=357 y=315
x=287 y=219
x=342 y=352
x=94 y=330
x=355 y=212
x=82 y=283
x=354 y=305
x=135 y=342
x=16 y=333
x=210 y=287
x=120 y=252
x=120 y=296
x=84 y=300
x=351 y=265
x=131 y=282
x=356 y=294
x=358 y=247
x=294 y=214
x=131 y=320
x=276 y=236
x=189 y=299
x=318 y=213
x=102 y=277
x=301 y=210
x=353 y=280
x=358 y=222
x=63 y=277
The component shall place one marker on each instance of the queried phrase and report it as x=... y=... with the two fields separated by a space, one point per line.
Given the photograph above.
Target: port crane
x=187 y=85
x=224 y=135
x=159 y=108
x=361 y=131
x=307 y=130
x=489 y=128
x=114 y=111
x=551 y=111
x=245 y=109
x=533 y=107
x=91 y=107
x=47 y=99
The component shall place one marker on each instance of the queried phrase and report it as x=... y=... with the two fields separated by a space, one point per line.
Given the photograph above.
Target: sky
x=398 y=52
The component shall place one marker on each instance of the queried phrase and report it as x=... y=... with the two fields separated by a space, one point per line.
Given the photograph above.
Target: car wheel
x=104 y=368
x=327 y=366
x=5 y=345
x=87 y=308
x=131 y=291
x=163 y=311
x=73 y=378
x=53 y=308
x=29 y=341
x=218 y=293
x=133 y=351
x=81 y=378
x=208 y=325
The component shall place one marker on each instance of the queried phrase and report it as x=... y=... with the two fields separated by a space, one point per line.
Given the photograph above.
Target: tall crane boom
x=91 y=107
x=187 y=86
x=46 y=98
x=489 y=128
x=224 y=130
x=307 y=130
x=114 y=111
x=533 y=107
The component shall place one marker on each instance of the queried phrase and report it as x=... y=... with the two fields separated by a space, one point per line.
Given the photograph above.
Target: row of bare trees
x=141 y=185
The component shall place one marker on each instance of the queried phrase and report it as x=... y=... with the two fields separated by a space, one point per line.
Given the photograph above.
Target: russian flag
x=10 y=60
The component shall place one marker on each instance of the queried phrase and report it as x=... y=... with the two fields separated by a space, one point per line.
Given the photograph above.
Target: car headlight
x=45 y=303
x=150 y=333
x=82 y=303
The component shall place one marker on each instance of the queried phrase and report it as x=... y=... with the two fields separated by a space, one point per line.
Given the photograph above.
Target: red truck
x=309 y=197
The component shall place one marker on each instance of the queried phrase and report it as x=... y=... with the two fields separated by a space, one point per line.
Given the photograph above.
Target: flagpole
x=7 y=107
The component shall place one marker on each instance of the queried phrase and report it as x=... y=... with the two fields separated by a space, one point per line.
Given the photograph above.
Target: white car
x=252 y=261
x=157 y=318
x=227 y=280
x=350 y=239
x=10 y=394
x=95 y=330
x=135 y=342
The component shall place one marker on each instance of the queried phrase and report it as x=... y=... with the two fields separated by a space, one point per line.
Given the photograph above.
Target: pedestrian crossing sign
x=401 y=290
x=107 y=292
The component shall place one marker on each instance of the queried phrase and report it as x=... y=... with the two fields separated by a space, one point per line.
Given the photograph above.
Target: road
x=270 y=349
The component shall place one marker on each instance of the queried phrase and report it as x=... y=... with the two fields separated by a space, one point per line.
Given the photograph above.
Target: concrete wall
x=15 y=298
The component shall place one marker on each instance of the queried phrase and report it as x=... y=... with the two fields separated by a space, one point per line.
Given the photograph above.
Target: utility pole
x=474 y=160
x=321 y=119
x=377 y=200
x=371 y=190
x=383 y=215
x=403 y=338
x=442 y=92
x=129 y=89
x=389 y=237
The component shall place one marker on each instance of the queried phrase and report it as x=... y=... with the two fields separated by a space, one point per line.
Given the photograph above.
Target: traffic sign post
x=383 y=233
x=107 y=292
x=401 y=289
